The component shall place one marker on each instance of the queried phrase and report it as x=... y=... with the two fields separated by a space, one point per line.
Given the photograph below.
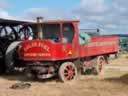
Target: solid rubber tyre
x=100 y=65
x=67 y=72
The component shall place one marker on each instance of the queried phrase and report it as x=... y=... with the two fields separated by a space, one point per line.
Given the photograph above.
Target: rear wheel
x=67 y=72
x=100 y=65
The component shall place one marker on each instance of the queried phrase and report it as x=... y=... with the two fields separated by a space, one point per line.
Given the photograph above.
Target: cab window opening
x=50 y=32
x=68 y=33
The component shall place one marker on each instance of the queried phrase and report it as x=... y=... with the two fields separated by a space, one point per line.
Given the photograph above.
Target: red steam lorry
x=56 y=48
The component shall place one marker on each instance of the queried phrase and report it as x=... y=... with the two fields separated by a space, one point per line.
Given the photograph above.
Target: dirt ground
x=113 y=83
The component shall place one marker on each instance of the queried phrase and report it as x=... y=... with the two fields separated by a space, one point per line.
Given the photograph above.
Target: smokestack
x=40 y=27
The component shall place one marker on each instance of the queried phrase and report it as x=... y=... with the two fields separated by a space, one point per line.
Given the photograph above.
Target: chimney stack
x=40 y=27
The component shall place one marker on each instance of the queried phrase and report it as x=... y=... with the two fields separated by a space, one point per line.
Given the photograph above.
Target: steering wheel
x=25 y=33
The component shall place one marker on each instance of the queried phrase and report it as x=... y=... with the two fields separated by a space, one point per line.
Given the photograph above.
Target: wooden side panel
x=100 y=45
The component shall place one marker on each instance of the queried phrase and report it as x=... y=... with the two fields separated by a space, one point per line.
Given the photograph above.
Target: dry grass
x=113 y=83
x=122 y=61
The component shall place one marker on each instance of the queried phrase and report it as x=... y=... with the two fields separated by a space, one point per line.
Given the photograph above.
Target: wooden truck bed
x=100 y=45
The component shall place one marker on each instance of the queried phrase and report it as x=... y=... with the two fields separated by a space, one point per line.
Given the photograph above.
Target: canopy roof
x=9 y=22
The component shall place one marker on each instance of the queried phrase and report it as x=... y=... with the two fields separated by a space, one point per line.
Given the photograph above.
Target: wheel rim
x=69 y=72
x=101 y=63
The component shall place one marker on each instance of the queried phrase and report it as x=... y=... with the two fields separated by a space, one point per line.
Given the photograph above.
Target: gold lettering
x=99 y=44
x=35 y=44
x=36 y=54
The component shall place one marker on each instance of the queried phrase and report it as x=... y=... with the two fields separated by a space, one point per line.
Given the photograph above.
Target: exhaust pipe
x=40 y=28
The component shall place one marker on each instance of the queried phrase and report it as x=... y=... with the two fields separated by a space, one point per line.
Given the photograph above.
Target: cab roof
x=11 y=22
x=53 y=22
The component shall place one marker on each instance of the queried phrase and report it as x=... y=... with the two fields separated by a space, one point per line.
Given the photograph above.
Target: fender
x=9 y=54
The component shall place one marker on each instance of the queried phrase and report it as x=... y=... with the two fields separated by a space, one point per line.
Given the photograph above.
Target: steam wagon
x=56 y=48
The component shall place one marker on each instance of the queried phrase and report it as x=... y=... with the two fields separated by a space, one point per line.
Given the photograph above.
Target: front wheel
x=67 y=72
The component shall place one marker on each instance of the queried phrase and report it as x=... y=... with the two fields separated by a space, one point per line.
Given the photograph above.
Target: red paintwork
x=45 y=50
x=97 y=48
x=56 y=50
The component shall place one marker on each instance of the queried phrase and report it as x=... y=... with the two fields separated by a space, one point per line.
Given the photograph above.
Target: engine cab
x=50 y=41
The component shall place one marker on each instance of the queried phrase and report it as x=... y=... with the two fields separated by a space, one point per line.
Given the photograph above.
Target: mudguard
x=9 y=54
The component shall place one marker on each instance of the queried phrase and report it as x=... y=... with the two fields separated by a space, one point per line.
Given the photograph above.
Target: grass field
x=113 y=83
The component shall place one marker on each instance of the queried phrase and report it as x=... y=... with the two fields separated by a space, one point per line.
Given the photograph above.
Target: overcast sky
x=111 y=16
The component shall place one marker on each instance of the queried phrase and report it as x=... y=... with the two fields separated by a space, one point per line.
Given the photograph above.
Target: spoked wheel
x=67 y=72
x=100 y=66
